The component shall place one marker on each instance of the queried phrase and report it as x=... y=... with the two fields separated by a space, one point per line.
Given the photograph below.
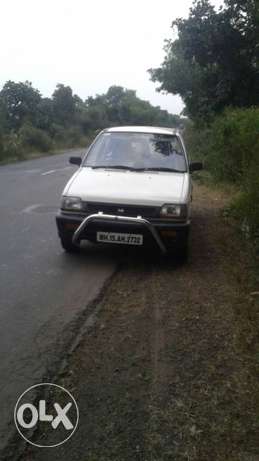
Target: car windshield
x=137 y=151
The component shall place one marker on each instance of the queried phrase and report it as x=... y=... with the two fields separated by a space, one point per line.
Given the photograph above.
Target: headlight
x=173 y=211
x=71 y=203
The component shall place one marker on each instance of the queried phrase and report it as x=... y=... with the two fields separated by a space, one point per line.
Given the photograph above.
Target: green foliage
x=235 y=158
x=70 y=136
x=64 y=104
x=214 y=65
x=234 y=144
x=19 y=102
x=214 y=61
x=2 y=153
x=120 y=106
x=12 y=147
x=44 y=117
x=229 y=148
x=246 y=206
x=198 y=141
x=29 y=122
x=32 y=138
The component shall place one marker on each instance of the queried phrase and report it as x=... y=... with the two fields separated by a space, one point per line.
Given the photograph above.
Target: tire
x=183 y=253
x=179 y=253
x=68 y=246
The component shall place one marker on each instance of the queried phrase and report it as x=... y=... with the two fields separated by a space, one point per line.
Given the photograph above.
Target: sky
x=88 y=44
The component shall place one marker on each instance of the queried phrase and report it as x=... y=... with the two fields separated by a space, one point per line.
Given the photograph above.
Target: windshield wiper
x=112 y=167
x=170 y=170
x=130 y=168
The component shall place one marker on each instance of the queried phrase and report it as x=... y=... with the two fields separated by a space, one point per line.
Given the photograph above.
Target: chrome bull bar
x=113 y=218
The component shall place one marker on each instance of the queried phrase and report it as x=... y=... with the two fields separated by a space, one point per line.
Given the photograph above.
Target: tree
x=30 y=122
x=20 y=102
x=3 y=118
x=114 y=101
x=214 y=61
x=64 y=104
x=45 y=114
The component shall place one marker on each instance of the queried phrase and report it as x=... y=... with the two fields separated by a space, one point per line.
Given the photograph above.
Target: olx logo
x=55 y=415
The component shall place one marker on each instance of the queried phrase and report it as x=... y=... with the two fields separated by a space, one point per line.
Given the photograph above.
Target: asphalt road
x=43 y=291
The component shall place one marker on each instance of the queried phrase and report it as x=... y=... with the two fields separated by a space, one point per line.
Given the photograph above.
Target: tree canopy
x=19 y=102
x=30 y=121
x=214 y=61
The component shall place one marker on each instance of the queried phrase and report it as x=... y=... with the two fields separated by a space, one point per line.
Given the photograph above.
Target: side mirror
x=75 y=160
x=195 y=166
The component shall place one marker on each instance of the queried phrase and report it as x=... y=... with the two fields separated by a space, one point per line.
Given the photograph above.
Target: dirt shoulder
x=170 y=369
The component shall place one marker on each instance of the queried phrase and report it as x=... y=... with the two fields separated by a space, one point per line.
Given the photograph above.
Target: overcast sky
x=88 y=44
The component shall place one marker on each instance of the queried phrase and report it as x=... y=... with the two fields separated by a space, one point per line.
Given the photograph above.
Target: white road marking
x=48 y=172
x=30 y=208
x=39 y=208
x=56 y=170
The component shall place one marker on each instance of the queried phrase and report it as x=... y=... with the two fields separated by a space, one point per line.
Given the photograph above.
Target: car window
x=138 y=151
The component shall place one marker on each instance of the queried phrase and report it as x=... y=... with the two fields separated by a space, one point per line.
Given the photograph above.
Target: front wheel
x=183 y=252
x=179 y=250
x=68 y=246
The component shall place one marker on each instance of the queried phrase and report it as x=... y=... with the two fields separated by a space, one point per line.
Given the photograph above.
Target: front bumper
x=163 y=234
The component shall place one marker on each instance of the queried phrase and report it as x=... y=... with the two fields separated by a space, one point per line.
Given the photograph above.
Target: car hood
x=127 y=187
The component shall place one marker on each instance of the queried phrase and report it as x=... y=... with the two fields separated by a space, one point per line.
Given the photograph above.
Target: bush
x=33 y=138
x=229 y=148
x=246 y=206
x=73 y=136
x=64 y=137
x=1 y=148
x=234 y=145
x=197 y=142
x=58 y=133
x=12 y=147
x=235 y=158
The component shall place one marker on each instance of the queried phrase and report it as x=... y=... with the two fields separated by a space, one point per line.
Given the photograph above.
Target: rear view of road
x=43 y=291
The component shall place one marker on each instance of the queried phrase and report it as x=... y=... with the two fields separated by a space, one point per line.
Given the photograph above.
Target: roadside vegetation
x=32 y=123
x=214 y=65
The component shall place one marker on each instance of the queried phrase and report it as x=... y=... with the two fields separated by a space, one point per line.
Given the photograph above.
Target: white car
x=133 y=187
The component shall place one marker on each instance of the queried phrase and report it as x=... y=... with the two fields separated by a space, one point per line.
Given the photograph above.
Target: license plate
x=123 y=239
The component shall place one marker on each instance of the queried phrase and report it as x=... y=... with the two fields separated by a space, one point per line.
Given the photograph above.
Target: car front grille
x=123 y=210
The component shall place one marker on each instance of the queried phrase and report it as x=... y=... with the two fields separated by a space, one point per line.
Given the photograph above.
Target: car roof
x=142 y=129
